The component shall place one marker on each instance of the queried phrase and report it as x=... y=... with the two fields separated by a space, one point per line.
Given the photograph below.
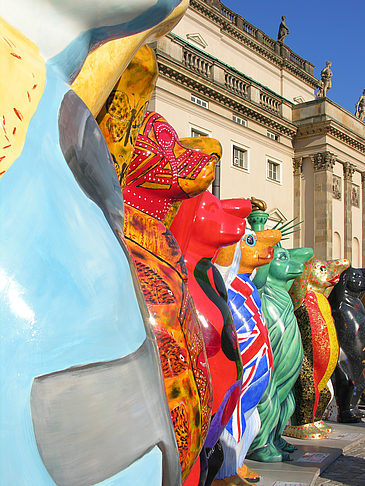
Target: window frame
x=246 y=150
x=197 y=129
x=199 y=101
x=279 y=164
x=244 y=124
x=273 y=136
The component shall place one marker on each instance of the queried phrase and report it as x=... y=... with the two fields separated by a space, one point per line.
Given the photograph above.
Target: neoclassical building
x=223 y=77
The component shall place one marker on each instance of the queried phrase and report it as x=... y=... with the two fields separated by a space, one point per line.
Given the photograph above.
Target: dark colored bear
x=349 y=316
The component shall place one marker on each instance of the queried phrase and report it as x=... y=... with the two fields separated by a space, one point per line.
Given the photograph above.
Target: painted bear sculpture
x=320 y=345
x=236 y=264
x=349 y=315
x=161 y=172
x=277 y=403
x=201 y=226
x=78 y=348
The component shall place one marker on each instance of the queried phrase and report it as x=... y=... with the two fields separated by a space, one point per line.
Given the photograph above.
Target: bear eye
x=322 y=268
x=182 y=357
x=283 y=256
x=250 y=240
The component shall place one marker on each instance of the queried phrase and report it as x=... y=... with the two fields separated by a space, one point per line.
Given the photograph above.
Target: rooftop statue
x=326 y=81
x=349 y=315
x=360 y=107
x=283 y=30
x=78 y=348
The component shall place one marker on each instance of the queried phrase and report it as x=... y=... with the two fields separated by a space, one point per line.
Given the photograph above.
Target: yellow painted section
x=121 y=116
x=104 y=66
x=22 y=81
x=325 y=309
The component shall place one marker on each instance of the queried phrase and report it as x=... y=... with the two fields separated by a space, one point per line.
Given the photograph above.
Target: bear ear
x=301 y=255
x=344 y=278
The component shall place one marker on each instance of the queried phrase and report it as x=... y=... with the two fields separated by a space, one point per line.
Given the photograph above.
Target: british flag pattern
x=253 y=338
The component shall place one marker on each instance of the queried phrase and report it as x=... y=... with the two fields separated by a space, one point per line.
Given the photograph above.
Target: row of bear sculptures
x=148 y=335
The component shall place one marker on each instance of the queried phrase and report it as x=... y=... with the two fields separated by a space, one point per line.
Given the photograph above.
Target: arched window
x=355 y=252
x=337 y=247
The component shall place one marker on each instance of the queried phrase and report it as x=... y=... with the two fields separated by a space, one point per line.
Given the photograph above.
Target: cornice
x=178 y=74
x=330 y=127
x=237 y=34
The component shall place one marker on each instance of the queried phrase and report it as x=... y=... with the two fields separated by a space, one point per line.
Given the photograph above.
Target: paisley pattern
x=154 y=289
x=163 y=171
x=157 y=259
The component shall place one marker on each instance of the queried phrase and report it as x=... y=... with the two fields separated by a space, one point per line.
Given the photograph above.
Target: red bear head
x=163 y=170
x=204 y=224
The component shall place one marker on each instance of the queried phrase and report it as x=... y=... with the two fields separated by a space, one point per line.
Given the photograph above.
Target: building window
x=337 y=246
x=239 y=157
x=239 y=120
x=273 y=170
x=199 y=101
x=355 y=261
x=194 y=132
x=273 y=136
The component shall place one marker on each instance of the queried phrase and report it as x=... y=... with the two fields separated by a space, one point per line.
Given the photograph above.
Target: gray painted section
x=92 y=422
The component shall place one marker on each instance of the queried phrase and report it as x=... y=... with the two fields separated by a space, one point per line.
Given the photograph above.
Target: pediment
x=197 y=39
x=276 y=215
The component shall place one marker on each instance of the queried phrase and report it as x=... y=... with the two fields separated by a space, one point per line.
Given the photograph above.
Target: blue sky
x=320 y=30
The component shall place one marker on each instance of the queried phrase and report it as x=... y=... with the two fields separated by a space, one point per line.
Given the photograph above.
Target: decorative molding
x=297 y=165
x=348 y=171
x=328 y=128
x=197 y=39
x=261 y=43
x=344 y=137
x=277 y=216
x=355 y=195
x=337 y=187
x=179 y=74
x=363 y=178
x=323 y=161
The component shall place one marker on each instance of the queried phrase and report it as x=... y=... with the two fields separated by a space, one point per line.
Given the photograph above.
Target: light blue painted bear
x=82 y=397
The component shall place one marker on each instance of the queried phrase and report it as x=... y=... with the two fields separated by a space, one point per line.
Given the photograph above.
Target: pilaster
x=323 y=164
x=298 y=211
x=348 y=171
x=216 y=186
x=363 y=217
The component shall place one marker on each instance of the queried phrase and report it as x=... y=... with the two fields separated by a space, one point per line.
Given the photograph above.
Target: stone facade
x=223 y=77
x=348 y=172
x=323 y=164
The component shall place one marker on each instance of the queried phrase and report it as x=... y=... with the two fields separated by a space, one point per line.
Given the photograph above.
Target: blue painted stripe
x=69 y=62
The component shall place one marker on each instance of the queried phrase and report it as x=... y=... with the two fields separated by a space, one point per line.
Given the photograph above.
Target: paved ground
x=348 y=469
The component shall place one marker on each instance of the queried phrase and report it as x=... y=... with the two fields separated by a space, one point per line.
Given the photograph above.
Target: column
x=323 y=164
x=298 y=212
x=363 y=216
x=216 y=186
x=348 y=170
